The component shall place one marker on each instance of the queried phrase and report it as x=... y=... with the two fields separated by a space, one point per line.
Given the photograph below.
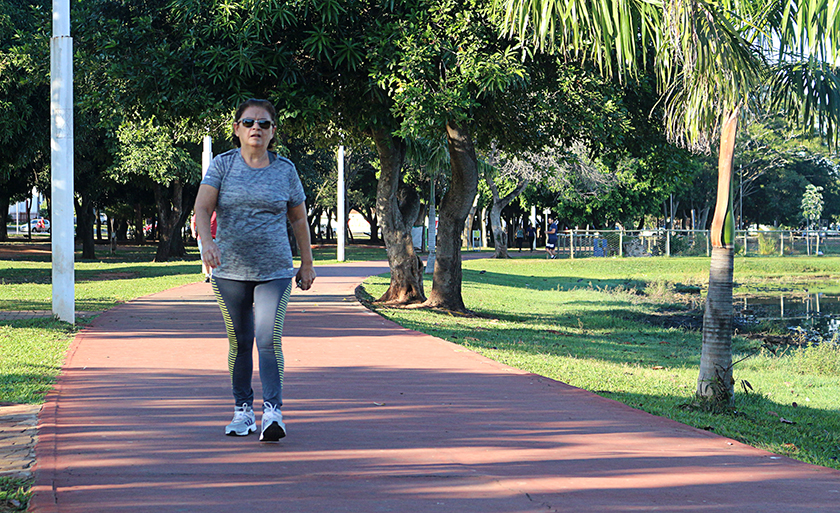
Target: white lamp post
x=206 y=154
x=61 y=142
x=340 y=214
x=430 y=263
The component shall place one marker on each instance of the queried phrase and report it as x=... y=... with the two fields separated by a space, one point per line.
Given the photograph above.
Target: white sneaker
x=244 y=422
x=273 y=428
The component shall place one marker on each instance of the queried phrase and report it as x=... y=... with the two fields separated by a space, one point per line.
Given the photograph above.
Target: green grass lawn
x=605 y=325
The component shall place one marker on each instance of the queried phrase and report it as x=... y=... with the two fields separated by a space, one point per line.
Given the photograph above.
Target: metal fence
x=662 y=242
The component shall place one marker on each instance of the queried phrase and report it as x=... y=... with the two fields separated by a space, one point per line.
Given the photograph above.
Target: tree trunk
x=406 y=267
x=314 y=220
x=139 y=225
x=715 y=381
x=371 y=218
x=454 y=209
x=29 y=220
x=704 y=217
x=153 y=228
x=122 y=230
x=177 y=247
x=500 y=239
x=469 y=222
x=85 y=218
x=169 y=202
x=4 y=209
x=98 y=221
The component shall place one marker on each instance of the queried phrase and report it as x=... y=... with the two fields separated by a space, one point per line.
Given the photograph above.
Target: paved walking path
x=380 y=419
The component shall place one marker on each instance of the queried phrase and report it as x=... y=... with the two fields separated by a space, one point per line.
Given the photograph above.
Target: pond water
x=811 y=311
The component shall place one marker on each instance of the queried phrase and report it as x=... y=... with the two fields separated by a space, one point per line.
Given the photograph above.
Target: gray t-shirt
x=251 y=215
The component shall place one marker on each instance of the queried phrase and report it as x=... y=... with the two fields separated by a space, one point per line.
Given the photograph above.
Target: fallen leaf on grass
x=786 y=421
x=773 y=413
x=658 y=367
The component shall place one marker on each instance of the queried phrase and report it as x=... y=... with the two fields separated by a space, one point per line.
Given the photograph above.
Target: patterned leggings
x=254 y=310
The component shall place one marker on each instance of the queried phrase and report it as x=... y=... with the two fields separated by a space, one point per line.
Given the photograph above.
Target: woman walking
x=254 y=192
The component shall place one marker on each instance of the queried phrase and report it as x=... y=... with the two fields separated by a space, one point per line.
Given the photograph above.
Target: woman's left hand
x=305 y=277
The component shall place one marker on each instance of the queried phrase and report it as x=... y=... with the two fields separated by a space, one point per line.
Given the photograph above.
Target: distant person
x=551 y=241
x=254 y=192
x=520 y=237
x=206 y=269
x=532 y=236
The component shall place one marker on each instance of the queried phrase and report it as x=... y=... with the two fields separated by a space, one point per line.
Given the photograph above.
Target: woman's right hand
x=210 y=254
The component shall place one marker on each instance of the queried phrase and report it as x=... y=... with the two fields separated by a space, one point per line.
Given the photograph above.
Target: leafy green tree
x=313 y=60
x=812 y=204
x=24 y=100
x=361 y=191
x=632 y=167
x=710 y=59
x=774 y=165
x=94 y=147
x=802 y=41
x=316 y=168
x=430 y=159
x=363 y=70
x=812 y=208
x=134 y=57
x=146 y=149
x=562 y=108
x=446 y=69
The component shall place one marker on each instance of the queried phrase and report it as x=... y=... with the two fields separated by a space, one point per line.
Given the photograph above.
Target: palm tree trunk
x=715 y=381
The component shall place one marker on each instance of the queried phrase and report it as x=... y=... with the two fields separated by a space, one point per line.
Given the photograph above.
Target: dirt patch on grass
x=23 y=250
x=112 y=276
x=688 y=321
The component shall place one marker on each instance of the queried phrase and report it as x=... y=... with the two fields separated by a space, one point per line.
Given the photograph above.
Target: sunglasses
x=262 y=123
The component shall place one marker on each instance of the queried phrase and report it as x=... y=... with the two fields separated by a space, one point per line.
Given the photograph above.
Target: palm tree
x=431 y=157
x=711 y=59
